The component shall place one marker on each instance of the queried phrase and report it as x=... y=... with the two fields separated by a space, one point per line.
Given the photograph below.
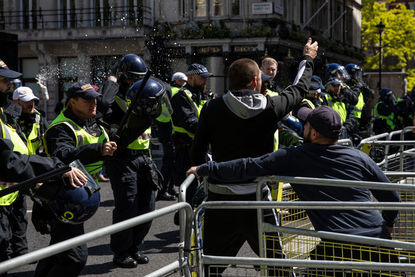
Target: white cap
x=25 y=94
x=179 y=76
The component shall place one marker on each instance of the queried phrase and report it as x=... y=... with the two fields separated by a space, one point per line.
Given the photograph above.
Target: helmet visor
x=342 y=74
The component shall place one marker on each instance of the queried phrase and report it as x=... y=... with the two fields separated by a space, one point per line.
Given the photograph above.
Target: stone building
x=61 y=41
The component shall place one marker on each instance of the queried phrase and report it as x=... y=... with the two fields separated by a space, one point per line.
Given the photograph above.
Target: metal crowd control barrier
x=180 y=264
x=401 y=254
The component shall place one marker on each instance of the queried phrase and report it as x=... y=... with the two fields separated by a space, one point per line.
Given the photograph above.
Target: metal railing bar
x=336 y=183
x=341 y=237
x=316 y=205
x=73 y=242
x=208 y=259
x=170 y=268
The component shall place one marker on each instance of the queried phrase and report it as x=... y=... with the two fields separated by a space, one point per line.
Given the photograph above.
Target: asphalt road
x=160 y=245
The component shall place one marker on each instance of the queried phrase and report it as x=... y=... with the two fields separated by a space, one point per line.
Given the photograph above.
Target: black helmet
x=152 y=99
x=336 y=70
x=131 y=66
x=355 y=72
x=387 y=96
x=76 y=205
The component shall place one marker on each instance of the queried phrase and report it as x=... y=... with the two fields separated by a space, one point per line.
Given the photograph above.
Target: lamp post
x=380 y=27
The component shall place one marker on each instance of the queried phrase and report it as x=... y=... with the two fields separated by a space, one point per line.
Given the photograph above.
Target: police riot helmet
x=130 y=66
x=76 y=205
x=387 y=96
x=355 y=72
x=152 y=98
x=336 y=70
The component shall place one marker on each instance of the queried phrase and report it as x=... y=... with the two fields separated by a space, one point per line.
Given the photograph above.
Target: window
x=66 y=13
x=236 y=7
x=201 y=8
x=28 y=14
x=204 y=8
x=30 y=70
x=218 y=8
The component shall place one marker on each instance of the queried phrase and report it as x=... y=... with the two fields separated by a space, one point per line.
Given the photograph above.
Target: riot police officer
x=74 y=135
x=384 y=112
x=130 y=168
x=361 y=110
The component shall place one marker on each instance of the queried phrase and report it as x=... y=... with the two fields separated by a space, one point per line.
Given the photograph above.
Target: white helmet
x=179 y=76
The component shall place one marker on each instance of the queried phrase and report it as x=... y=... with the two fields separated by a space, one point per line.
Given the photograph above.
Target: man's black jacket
x=232 y=137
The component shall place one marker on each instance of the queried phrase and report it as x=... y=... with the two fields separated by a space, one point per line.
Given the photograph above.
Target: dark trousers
x=342 y=251
x=182 y=165
x=168 y=166
x=18 y=226
x=66 y=264
x=225 y=231
x=4 y=234
x=133 y=197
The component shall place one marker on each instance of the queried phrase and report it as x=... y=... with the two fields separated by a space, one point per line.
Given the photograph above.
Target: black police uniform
x=61 y=143
x=16 y=167
x=18 y=217
x=186 y=116
x=133 y=195
x=164 y=135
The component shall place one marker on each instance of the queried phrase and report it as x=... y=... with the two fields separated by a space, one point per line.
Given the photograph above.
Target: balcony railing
x=134 y=16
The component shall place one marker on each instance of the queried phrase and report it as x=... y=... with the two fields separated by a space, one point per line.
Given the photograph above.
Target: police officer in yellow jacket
x=33 y=126
x=164 y=134
x=13 y=205
x=129 y=169
x=187 y=104
x=74 y=135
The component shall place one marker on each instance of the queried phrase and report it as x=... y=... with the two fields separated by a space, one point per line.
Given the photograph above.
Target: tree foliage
x=398 y=37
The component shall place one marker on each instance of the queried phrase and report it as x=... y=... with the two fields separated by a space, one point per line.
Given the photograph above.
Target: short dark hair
x=242 y=72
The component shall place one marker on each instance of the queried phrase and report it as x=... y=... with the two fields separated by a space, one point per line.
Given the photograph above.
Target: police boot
x=124 y=261
x=165 y=196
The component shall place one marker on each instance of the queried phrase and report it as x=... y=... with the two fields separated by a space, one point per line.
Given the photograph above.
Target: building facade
x=61 y=41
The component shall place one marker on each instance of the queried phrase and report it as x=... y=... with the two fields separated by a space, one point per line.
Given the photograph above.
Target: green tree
x=398 y=38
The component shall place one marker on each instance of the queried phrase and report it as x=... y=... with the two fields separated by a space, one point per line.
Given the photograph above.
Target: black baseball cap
x=8 y=73
x=323 y=119
x=198 y=69
x=82 y=89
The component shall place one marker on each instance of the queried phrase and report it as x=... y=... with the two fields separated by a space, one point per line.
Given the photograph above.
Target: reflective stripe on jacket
x=8 y=132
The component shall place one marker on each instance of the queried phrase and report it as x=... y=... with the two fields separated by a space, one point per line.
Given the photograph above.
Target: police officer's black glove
x=41 y=217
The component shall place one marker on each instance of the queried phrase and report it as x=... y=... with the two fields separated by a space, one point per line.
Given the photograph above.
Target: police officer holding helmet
x=74 y=135
x=133 y=175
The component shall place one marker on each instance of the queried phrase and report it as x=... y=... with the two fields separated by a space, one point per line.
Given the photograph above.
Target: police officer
x=405 y=109
x=74 y=135
x=32 y=126
x=31 y=121
x=339 y=102
x=187 y=104
x=361 y=110
x=384 y=112
x=129 y=168
x=270 y=67
x=178 y=80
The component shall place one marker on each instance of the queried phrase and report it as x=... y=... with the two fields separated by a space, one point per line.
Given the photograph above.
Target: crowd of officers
x=88 y=129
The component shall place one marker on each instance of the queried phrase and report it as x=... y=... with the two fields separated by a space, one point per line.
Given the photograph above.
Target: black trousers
x=18 y=226
x=225 y=231
x=168 y=166
x=66 y=264
x=133 y=197
x=182 y=164
x=4 y=234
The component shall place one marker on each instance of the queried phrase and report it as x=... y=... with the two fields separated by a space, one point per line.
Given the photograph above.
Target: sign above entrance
x=262 y=8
